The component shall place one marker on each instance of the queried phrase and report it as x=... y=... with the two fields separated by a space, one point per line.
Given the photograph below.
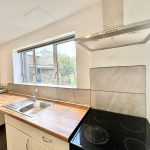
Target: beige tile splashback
x=125 y=103
x=20 y=88
x=79 y=96
x=122 y=79
x=83 y=96
x=47 y=92
x=66 y=95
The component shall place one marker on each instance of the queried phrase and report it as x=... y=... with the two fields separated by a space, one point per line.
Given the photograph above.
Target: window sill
x=50 y=85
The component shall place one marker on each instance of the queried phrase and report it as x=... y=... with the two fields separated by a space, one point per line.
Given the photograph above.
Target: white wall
x=86 y=22
x=136 y=10
x=126 y=56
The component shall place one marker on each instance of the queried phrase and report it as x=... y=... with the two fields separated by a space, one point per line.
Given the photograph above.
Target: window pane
x=66 y=57
x=28 y=66
x=45 y=64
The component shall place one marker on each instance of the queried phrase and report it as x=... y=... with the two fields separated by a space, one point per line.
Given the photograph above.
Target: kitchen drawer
x=36 y=145
x=49 y=140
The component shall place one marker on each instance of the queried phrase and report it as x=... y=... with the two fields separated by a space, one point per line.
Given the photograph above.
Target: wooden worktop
x=59 y=120
x=7 y=98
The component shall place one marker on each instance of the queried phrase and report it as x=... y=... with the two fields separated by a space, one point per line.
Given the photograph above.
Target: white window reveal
x=50 y=63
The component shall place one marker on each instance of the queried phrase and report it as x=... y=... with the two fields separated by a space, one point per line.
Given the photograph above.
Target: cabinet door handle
x=27 y=144
x=46 y=140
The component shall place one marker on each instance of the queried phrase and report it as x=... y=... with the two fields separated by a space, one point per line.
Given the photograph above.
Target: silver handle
x=27 y=144
x=55 y=74
x=46 y=140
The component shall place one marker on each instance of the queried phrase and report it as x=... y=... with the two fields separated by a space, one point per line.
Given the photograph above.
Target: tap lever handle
x=36 y=90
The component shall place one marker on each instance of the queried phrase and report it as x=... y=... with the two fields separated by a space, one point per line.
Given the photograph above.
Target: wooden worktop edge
x=10 y=113
x=21 y=118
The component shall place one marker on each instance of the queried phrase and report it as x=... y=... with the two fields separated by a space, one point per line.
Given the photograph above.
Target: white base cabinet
x=21 y=136
x=17 y=140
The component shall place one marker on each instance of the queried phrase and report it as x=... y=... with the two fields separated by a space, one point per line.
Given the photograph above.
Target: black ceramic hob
x=102 y=130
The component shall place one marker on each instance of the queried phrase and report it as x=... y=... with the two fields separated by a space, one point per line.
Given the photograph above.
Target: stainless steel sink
x=34 y=108
x=28 y=107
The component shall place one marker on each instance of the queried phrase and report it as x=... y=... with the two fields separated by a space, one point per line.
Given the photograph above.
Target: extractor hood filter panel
x=133 y=34
x=131 y=38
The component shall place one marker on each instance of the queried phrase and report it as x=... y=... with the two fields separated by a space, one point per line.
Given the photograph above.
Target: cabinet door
x=17 y=140
x=37 y=145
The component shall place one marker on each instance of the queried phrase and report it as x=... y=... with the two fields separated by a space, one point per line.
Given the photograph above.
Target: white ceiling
x=20 y=17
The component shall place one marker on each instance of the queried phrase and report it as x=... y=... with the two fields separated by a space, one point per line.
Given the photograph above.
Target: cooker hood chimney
x=112 y=13
x=115 y=33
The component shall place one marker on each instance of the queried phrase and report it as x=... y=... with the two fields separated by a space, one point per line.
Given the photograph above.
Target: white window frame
x=54 y=43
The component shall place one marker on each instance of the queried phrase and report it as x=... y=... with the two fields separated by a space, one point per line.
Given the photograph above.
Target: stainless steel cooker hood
x=125 y=35
x=116 y=32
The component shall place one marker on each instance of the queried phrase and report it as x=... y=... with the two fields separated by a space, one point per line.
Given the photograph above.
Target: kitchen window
x=50 y=63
